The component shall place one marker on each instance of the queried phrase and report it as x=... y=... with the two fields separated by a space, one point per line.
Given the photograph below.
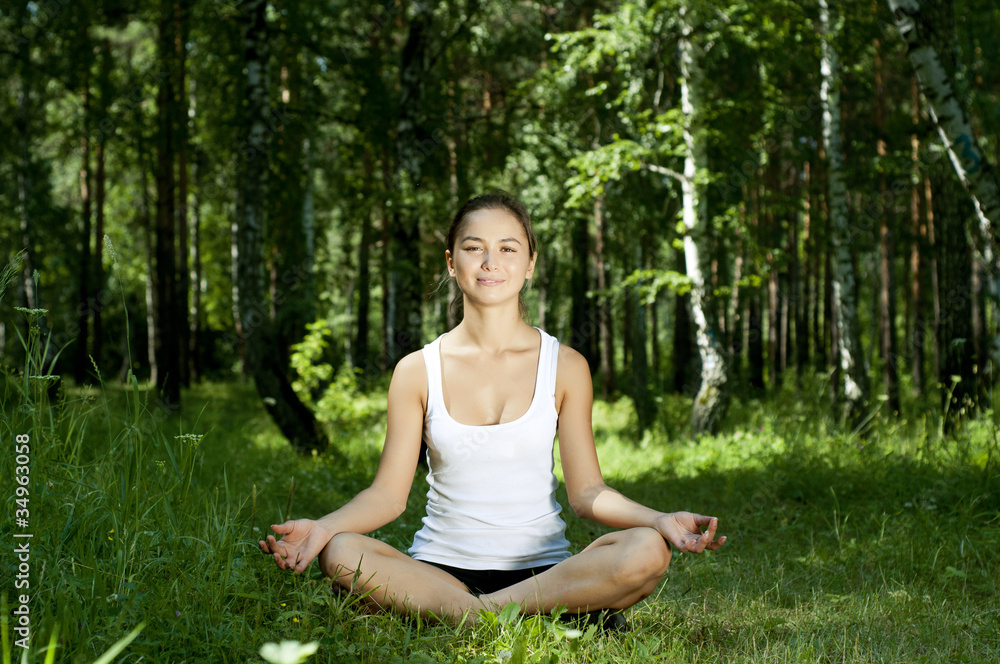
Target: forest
x=758 y=221
x=711 y=214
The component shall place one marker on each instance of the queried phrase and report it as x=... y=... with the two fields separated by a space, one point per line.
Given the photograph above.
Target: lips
x=490 y=282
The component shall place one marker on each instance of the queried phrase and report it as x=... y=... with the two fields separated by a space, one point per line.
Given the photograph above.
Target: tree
x=853 y=371
x=948 y=114
x=296 y=421
x=712 y=398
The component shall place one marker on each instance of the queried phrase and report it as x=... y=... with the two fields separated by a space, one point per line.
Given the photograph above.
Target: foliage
x=334 y=395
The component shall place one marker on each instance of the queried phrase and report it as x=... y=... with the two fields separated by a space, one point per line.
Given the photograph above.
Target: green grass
x=841 y=548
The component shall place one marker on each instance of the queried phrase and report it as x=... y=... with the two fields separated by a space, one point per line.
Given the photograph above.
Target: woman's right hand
x=301 y=541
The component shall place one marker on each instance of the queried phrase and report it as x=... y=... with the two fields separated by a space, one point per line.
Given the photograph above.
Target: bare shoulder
x=572 y=375
x=409 y=380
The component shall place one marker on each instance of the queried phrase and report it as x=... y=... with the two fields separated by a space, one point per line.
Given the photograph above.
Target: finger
x=716 y=544
x=275 y=545
x=282 y=528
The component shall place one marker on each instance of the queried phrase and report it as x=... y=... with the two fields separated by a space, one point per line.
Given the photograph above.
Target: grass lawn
x=841 y=549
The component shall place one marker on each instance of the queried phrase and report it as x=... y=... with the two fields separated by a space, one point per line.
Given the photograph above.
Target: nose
x=488 y=262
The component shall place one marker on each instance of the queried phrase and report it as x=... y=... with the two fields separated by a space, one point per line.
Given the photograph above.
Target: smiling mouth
x=490 y=282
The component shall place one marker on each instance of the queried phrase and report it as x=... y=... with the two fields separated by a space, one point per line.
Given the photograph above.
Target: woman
x=489 y=397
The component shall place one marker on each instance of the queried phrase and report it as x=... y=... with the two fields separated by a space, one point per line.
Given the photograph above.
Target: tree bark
x=167 y=335
x=151 y=289
x=918 y=229
x=887 y=282
x=641 y=395
x=404 y=317
x=100 y=196
x=607 y=349
x=296 y=421
x=853 y=372
x=195 y=351
x=80 y=366
x=181 y=120
x=683 y=349
x=713 y=396
x=582 y=315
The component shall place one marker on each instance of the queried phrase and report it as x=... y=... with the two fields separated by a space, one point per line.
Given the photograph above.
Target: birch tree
x=853 y=373
x=948 y=115
x=712 y=398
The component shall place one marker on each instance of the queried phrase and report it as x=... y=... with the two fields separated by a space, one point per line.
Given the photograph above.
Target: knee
x=342 y=555
x=646 y=560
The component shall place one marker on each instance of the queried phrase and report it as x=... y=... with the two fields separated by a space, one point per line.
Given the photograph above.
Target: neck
x=491 y=328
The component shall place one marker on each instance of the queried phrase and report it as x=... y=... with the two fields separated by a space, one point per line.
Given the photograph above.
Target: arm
x=589 y=496
x=385 y=499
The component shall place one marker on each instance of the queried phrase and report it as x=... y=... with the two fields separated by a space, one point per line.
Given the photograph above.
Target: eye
x=471 y=247
x=510 y=249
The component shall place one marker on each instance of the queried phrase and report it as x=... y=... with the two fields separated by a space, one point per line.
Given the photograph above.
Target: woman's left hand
x=687 y=531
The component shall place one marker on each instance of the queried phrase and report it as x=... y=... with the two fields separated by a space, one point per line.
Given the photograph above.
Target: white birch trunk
x=950 y=119
x=712 y=397
x=852 y=367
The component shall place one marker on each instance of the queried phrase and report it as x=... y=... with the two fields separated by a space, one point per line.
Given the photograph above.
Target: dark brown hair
x=497 y=199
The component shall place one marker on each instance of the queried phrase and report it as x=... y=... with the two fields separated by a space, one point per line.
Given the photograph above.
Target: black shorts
x=484 y=581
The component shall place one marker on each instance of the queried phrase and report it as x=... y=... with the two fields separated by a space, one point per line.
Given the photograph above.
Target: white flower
x=288 y=652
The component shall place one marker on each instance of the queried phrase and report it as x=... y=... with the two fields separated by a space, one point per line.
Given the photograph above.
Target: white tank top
x=491 y=502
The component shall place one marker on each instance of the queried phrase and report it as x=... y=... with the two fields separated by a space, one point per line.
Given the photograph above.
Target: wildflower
x=111 y=249
x=110 y=533
x=192 y=439
x=288 y=652
x=31 y=315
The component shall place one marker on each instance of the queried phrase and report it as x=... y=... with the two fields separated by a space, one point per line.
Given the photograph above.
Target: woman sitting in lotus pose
x=488 y=397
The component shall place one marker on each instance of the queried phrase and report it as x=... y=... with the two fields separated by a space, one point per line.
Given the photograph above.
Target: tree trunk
x=607 y=349
x=100 y=194
x=852 y=366
x=803 y=282
x=167 y=334
x=405 y=315
x=935 y=264
x=957 y=377
x=713 y=396
x=292 y=417
x=364 y=287
x=918 y=227
x=582 y=316
x=195 y=350
x=641 y=395
x=151 y=289
x=181 y=121
x=887 y=281
x=25 y=180
x=80 y=366
x=683 y=349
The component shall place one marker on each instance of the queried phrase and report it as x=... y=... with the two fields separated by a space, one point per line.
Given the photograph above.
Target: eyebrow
x=479 y=239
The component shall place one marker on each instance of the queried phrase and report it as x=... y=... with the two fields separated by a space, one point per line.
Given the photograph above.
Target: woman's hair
x=497 y=199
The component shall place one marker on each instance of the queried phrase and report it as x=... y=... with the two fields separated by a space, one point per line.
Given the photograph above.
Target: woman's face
x=491 y=259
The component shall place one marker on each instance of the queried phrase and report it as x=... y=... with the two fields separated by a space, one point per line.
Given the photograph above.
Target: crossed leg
x=614 y=572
